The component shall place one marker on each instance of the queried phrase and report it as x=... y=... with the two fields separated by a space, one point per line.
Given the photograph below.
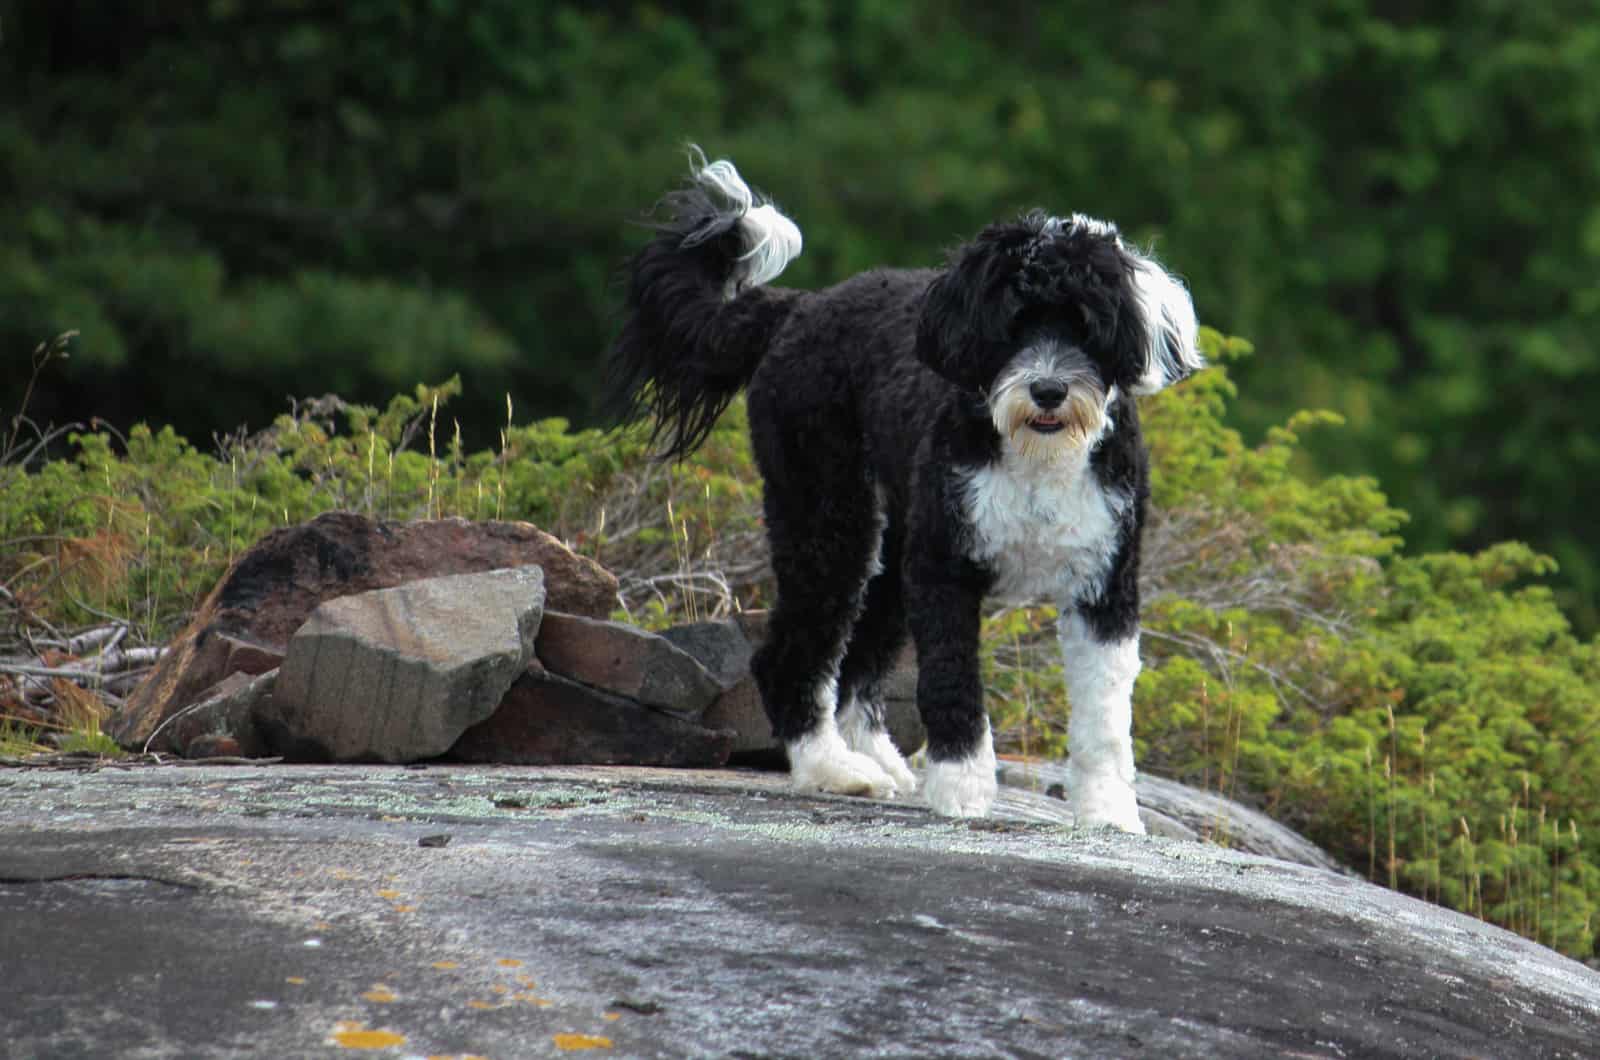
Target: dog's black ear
x=969 y=312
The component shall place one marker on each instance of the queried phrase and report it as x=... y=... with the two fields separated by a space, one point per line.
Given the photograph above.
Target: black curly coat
x=869 y=411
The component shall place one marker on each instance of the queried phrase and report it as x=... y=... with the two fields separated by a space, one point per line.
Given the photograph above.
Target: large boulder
x=397 y=675
x=244 y=625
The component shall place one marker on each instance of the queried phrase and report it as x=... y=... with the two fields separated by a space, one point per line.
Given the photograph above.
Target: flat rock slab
x=399 y=674
x=627 y=661
x=212 y=912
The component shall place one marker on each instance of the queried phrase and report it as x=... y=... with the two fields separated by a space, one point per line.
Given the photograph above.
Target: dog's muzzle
x=1042 y=416
x=1047 y=395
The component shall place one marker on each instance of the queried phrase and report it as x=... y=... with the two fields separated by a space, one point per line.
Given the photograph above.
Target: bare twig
x=105 y=665
x=47 y=351
x=103 y=638
x=1224 y=656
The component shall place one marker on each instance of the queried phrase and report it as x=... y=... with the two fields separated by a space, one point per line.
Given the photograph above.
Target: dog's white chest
x=1048 y=531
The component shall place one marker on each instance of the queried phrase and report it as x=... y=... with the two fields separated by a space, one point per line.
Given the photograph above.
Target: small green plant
x=19 y=739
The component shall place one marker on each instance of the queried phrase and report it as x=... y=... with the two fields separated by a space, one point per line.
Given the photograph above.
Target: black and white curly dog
x=928 y=439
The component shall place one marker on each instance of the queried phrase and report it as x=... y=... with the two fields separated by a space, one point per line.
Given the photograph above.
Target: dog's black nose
x=1047 y=393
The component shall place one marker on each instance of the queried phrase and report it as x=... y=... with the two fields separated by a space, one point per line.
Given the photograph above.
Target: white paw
x=884 y=752
x=954 y=789
x=1104 y=802
x=964 y=787
x=822 y=762
x=862 y=737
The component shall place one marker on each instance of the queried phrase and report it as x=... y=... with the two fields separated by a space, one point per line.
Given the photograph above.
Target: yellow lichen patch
x=398 y=908
x=361 y=1038
x=533 y=999
x=523 y=980
x=445 y=966
x=389 y=893
x=509 y=962
x=297 y=980
x=480 y=1005
x=500 y=988
x=611 y=1017
x=380 y=993
x=573 y=1042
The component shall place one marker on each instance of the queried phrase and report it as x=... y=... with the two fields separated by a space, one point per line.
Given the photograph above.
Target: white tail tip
x=770 y=239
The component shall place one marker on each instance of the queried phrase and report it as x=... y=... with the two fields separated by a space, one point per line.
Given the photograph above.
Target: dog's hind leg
x=823 y=540
x=875 y=640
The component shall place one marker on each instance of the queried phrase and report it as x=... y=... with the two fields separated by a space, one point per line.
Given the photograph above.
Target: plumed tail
x=698 y=317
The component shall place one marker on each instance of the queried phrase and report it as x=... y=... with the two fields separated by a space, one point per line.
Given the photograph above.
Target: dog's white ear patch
x=1173 y=352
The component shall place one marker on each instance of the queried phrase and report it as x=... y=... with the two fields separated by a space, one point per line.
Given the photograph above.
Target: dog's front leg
x=961 y=766
x=1100 y=673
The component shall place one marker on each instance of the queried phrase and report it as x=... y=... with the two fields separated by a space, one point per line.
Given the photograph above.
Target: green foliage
x=143 y=526
x=237 y=201
x=18 y=741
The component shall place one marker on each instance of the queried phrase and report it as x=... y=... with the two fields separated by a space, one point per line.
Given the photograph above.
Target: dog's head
x=1048 y=319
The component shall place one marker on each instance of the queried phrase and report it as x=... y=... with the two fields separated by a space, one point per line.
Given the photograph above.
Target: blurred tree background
x=238 y=200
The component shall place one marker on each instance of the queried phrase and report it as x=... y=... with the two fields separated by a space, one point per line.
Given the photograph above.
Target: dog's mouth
x=1045 y=423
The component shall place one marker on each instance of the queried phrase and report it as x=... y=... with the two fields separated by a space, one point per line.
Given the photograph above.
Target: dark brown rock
x=244 y=656
x=272 y=589
x=549 y=720
x=225 y=712
x=900 y=714
x=627 y=661
x=721 y=647
x=739 y=709
x=214 y=746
